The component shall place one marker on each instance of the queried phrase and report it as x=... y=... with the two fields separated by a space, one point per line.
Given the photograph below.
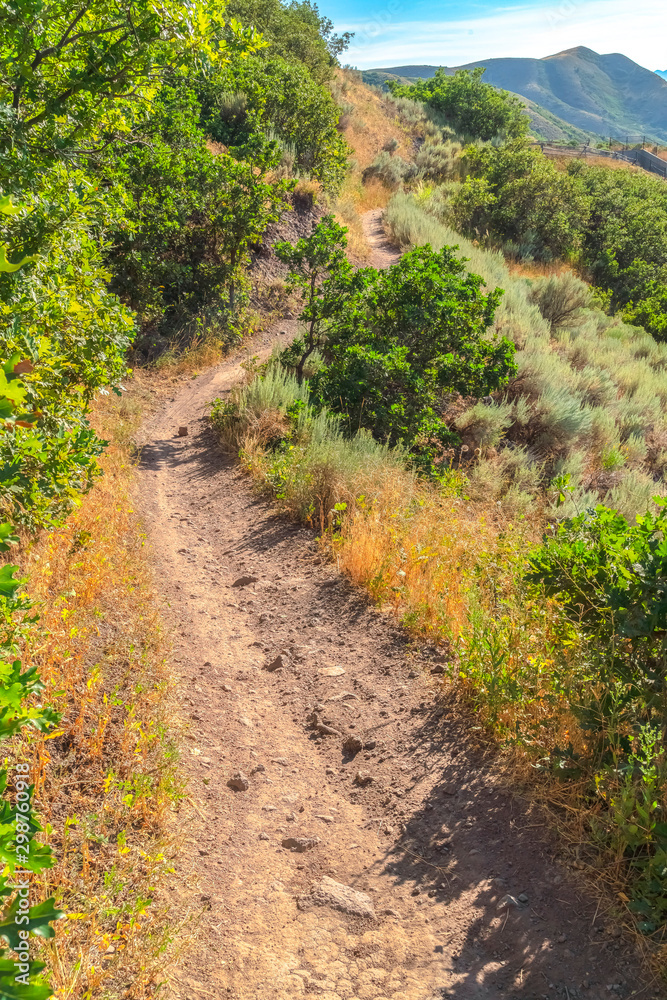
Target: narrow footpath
x=344 y=838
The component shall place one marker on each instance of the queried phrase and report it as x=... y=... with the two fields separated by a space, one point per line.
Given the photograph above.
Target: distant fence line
x=640 y=157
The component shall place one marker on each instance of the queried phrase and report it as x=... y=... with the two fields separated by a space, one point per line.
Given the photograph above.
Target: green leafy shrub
x=473 y=108
x=609 y=577
x=409 y=336
x=281 y=97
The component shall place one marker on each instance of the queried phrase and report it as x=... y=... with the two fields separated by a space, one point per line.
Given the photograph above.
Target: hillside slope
x=602 y=94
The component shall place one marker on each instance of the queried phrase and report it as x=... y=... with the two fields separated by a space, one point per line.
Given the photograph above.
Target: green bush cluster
x=590 y=394
x=471 y=107
x=608 y=578
x=395 y=343
x=611 y=223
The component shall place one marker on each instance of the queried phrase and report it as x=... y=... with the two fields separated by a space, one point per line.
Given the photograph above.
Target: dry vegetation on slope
x=105 y=780
x=369 y=122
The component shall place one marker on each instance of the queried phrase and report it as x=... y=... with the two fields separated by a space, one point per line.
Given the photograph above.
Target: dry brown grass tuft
x=105 y=780
x=414 y=549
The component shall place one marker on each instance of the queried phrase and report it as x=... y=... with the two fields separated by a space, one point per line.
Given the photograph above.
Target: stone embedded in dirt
x=244 y=581
x=331 y=671
x=370 y=744
x=349 y=696
x=280 y=760
x=388 y=912
x=226 y=687
x=279 y=663
x=300 y=844
x=291 y=817
x=523 y=898
x=258 y=769
x=239 y=782
x=508 y=902
x=182 y=432
x=363 y=778
x=352 y=744
x=330 y=770
x=438 y=669
x=413 y=674
x=264 y=836
x=327 y=730
x=340 y=897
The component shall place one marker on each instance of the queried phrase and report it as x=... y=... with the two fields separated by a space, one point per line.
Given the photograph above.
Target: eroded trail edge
x=355 y=771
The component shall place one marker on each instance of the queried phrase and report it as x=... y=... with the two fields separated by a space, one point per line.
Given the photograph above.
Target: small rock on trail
x=279 y=663
x=301 y=844
x=340 y=897
x=353 y=745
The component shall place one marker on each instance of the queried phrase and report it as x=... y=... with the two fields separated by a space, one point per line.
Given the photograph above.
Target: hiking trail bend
x=461 y=894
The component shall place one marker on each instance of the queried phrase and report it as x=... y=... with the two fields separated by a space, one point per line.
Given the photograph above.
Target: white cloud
x=389 y=39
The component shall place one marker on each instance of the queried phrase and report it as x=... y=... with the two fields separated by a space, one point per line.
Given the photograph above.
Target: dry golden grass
x=414 y=548
x=563 y=162
x=536 y=268
x=105 y=781
x=371 y=124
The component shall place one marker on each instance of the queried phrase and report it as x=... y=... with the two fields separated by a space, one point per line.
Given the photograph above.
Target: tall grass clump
x=301 y=455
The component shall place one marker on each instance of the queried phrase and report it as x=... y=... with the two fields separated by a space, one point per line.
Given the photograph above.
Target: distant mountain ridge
x=599 y=94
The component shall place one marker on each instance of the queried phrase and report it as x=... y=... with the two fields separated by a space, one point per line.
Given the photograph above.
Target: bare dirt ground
x=383 y=253
x=348 y=765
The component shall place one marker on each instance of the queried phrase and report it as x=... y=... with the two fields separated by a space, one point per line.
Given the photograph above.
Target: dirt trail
x=383 y=253
x=467 y=899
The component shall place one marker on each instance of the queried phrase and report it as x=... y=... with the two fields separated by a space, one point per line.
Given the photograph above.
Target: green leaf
x=6 y=266
x=35 y=989
x=38 y=922
x=8 y=585
x=7 y=537
x=7 y=207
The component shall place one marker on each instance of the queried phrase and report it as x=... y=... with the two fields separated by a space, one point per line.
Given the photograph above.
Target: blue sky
x=395 y=32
